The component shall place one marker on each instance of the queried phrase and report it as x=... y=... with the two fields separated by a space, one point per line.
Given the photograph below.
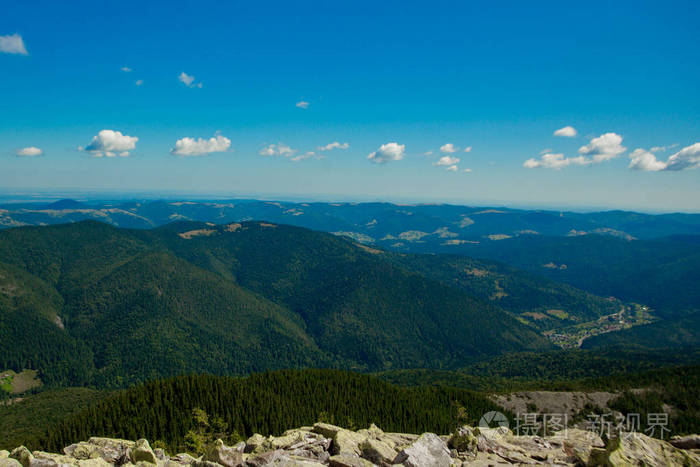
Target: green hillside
x=267 y=403
x=92 y=304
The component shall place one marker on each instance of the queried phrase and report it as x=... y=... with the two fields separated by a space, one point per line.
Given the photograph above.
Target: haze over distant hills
x=383 y=223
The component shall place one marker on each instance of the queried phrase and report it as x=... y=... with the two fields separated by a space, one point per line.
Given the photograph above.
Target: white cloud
x=388 y=152
x=31 y=151
x=138 y=82
x=188 y=80
x=111 y=143
x=302 y=104
x=200 y=146
x=656 y=149
x=555 y=161
x=126 y=69
x=452 y=168
x=13 y=44
x=447 y=160
x=686 y=158
x=428 y=153
x=468 y=149
x=645 y=160
x=334 y=145
x=567 y=132
x=279 y=149
x=468 y=170
x=306 y=155
x=604 y=147
x=448 y=148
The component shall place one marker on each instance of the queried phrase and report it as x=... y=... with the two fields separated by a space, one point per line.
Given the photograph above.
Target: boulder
x=286 y=441
x=686 y=442
x=47 y=459
x=377 y=451
x=9 y=462
x=427 y=451
x=224 y=455
x=639 y=449
x=4 y=454
x=347 y=442
x=463 y=440
x=577 y=444
x=180 y=459
x=348 y=460
x=280 y=458
x=22 y=455
x=327 y=430
x=99 y=462
x=255 y=444
x=84 y=450
x=142 y=452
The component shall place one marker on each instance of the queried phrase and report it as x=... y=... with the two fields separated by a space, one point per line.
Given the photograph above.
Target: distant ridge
x=65 y=204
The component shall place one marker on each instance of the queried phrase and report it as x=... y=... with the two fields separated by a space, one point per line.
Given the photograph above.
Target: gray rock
x=224 y=455
x=142 y=452
x=9 y=462
x=348 y=460
x=84 y=450
x=22 y=455
x=686 y=442
x=255 y=443
x=326 y=429
x=427 y=451
x=377 y=451
x=639 y=449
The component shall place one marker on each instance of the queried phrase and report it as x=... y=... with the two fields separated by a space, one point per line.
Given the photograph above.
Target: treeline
x=560 y=370
x=672 y=391
x=267 y=403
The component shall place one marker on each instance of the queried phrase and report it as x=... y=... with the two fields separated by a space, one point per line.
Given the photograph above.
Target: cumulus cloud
x=279 y=149
x=334 y=145
x=188 y=80
x=302 y=104
x=200 y=146
x=686 y=158
x=31 y=151
x=126 y=69
x=448 y=148
x=468 y=149
x=110 y=143
x=468 y=170
x=388 y=152
x=567 y=132
x=452 y=168
x=447 y=160
x=428 y=153
x=13 y=44
x=138 y=82
x=604 y=147
x=555 y=161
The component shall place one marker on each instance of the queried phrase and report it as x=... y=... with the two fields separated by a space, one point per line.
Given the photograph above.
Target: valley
x=628 y=317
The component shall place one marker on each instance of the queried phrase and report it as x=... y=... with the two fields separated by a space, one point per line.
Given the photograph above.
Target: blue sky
x=499 y=77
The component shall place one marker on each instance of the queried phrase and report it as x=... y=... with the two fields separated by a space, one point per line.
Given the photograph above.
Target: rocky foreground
x=329 y=445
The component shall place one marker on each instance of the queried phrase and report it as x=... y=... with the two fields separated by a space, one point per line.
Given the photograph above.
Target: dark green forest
x=268 y=403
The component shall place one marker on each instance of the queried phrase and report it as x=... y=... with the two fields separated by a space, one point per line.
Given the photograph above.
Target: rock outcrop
x=329 y=445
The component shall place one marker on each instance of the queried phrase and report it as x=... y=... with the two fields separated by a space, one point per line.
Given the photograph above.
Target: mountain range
x=89 y=303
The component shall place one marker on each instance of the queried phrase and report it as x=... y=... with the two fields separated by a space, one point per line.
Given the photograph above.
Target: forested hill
x=91 y=303
x=268 y=403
